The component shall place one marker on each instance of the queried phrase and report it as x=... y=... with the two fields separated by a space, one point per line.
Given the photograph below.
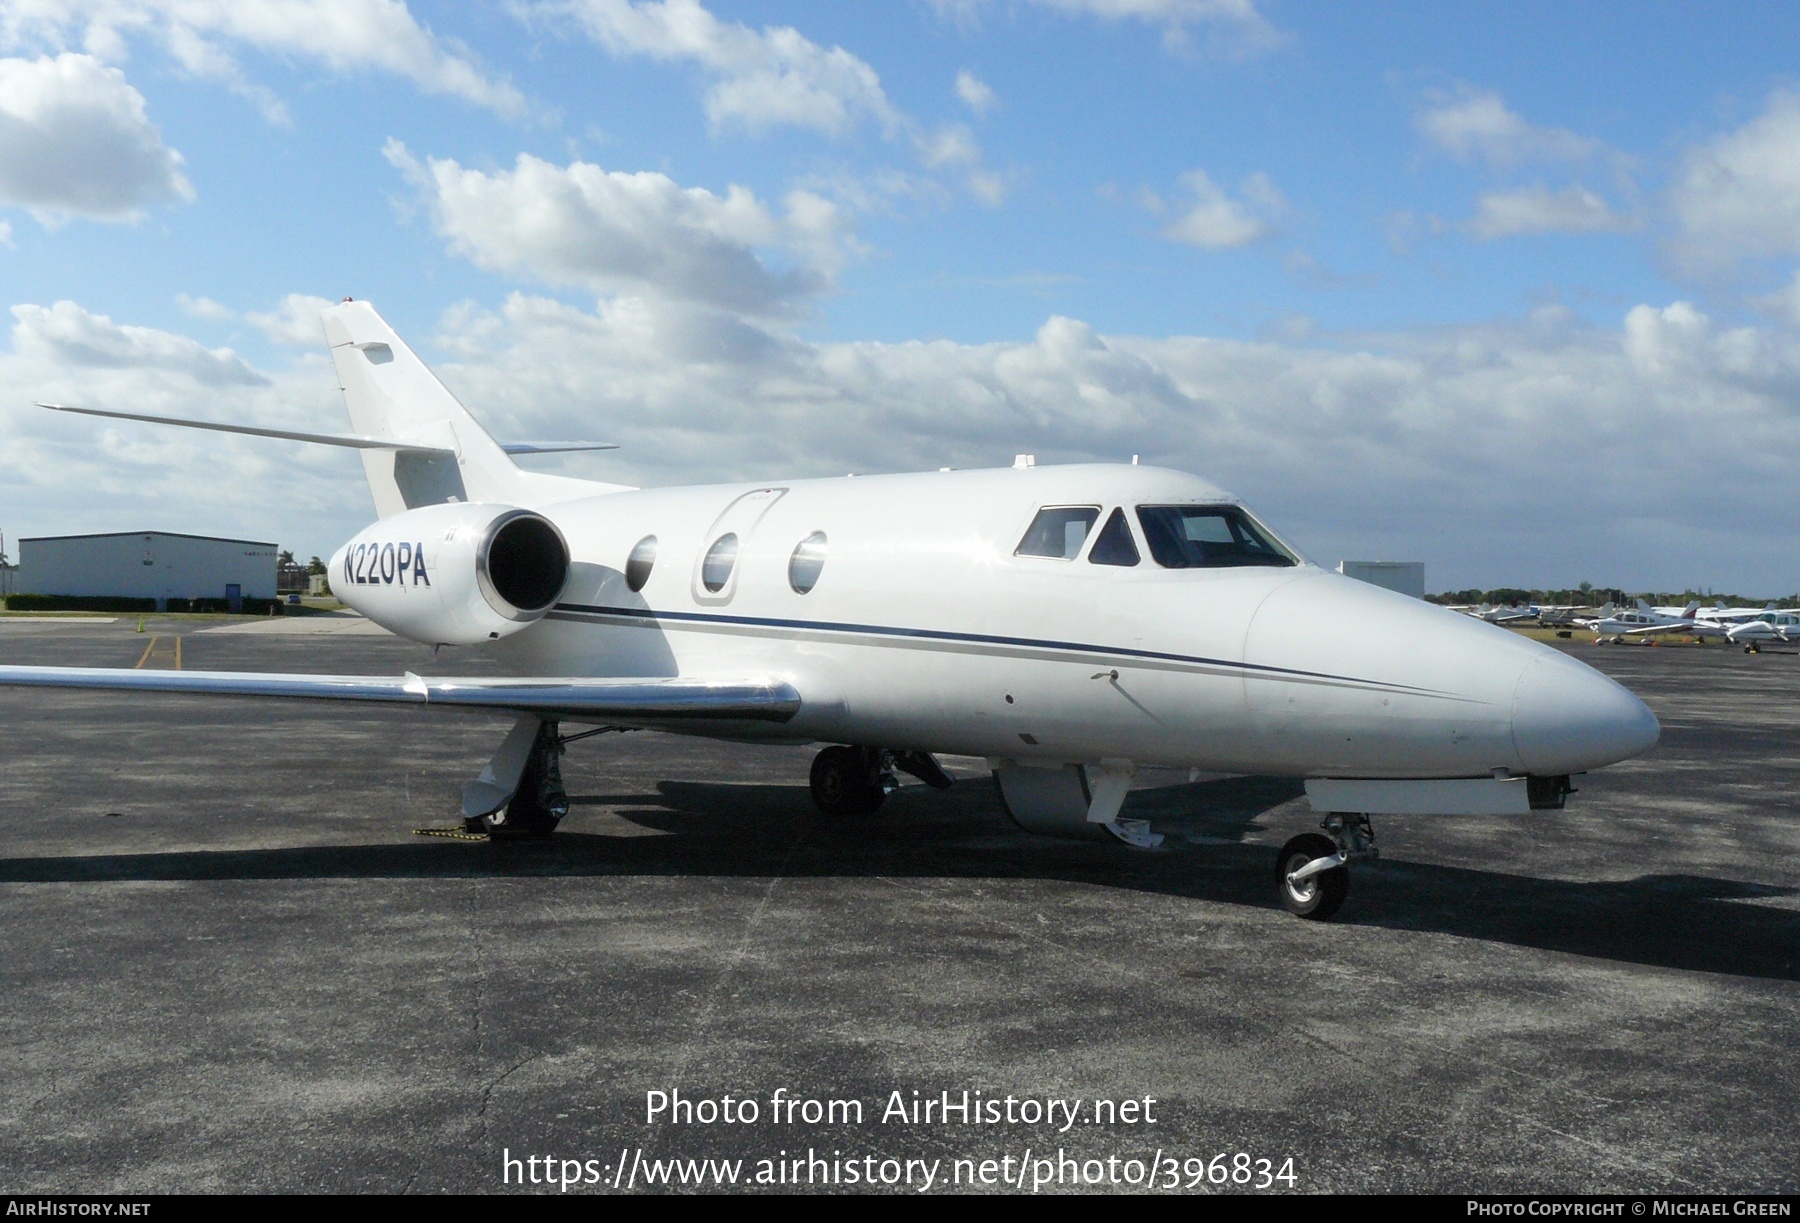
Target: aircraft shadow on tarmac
x=1686 y=922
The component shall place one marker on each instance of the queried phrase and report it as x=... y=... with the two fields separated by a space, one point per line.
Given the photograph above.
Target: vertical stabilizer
x=391 y=394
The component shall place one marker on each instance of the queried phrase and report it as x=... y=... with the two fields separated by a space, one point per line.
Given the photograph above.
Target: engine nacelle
x=453 y=574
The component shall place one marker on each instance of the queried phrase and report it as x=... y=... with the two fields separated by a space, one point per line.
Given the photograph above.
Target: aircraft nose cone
x=1568 y=718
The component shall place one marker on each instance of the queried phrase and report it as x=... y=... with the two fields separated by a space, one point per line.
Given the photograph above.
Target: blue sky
x=1508 y=288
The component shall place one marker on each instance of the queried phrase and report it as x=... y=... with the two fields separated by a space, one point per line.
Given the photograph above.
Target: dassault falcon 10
x=1071 y=624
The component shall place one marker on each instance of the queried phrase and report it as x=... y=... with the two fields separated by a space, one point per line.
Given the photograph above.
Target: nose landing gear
x=1312 y=873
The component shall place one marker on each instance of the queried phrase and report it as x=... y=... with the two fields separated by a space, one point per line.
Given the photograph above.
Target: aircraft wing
x=1680 y=626
x=629 y=701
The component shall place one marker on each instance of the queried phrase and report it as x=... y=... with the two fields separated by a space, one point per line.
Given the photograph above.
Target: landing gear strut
x=540 y=801
x=1312 y=873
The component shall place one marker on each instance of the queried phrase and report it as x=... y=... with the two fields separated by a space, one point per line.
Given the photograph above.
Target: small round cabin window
x=640 y=562
x=715 y=570
x=807 y=562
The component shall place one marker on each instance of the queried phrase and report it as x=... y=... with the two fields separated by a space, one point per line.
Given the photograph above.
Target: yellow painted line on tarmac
x=150 y=650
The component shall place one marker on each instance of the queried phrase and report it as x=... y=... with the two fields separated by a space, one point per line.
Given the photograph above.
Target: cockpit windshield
x=1208 y=537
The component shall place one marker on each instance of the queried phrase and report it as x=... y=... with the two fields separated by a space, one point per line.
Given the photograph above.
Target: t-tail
x=419 y=445
x=391 y=394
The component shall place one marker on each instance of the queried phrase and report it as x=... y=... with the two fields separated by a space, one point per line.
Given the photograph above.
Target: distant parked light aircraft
x=1767 y=628
x=1504 y=614
x=1645 y=621
x=1071 y=624
x=1719 y=620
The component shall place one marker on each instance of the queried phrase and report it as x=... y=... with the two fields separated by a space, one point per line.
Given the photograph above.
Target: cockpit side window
x=1058 y=532
x=1208 y=537
x=1114 y=545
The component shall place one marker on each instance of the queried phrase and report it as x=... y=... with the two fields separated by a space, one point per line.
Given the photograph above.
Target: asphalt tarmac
x=229 y=964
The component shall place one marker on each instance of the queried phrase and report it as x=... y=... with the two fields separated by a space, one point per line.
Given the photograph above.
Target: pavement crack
x=487 y=1093
x=709 y=1005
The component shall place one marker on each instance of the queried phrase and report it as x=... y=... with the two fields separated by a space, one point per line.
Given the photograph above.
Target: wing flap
x=645 y=701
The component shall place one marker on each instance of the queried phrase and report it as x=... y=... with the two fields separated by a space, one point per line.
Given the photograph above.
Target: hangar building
x=1406 y=577
x=156 y=565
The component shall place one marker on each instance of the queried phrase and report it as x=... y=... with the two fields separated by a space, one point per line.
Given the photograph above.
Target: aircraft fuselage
x=925 y=630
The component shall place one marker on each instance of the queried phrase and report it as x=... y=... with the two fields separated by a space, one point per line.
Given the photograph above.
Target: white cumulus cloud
x=1784 y=303
x=613 y=231
x=75 y=141
x=1539 y=210
x=777 y=77
x=1216 y=221
x=758 y=78
x=1236 y=25
x=1482 y=435
x=1477 y=123
x=294 y=321
x=954 y=147
x=342 y=35
x=61 y=473
x=1467 y=447
x=205 y=307
x=71 y=336
x=1738 y=195
x=975 y=93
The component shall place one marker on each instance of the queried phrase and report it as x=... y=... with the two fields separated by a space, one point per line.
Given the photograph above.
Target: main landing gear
x=857 y=780
x=1312 y=873
x=537 y=802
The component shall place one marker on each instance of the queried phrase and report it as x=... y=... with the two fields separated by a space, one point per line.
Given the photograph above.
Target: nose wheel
x=1311 y=877
x=1312 y=872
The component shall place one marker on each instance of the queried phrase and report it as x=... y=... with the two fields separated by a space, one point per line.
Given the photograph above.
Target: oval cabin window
x=807 y=563
x=715 y=570
x=640 y=562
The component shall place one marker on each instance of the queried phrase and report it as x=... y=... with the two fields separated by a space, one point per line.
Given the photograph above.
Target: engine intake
x=522 y=565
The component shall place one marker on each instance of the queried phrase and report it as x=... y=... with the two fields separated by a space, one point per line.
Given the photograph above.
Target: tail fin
x=390 y=393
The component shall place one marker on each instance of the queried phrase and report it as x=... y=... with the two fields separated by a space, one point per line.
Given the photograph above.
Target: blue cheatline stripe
x=925 y=634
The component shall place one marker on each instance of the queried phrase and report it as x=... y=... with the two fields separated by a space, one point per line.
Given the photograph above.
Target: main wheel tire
x=538 y=806
x=526 y=816
x=843 y=783
x=1319 y=896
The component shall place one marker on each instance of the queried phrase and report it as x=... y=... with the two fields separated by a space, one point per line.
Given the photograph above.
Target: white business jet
x=1071 y=624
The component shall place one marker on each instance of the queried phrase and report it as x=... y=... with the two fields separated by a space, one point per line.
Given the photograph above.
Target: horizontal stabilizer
x=356 y=441
x=629 y=701
x=554 y=447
